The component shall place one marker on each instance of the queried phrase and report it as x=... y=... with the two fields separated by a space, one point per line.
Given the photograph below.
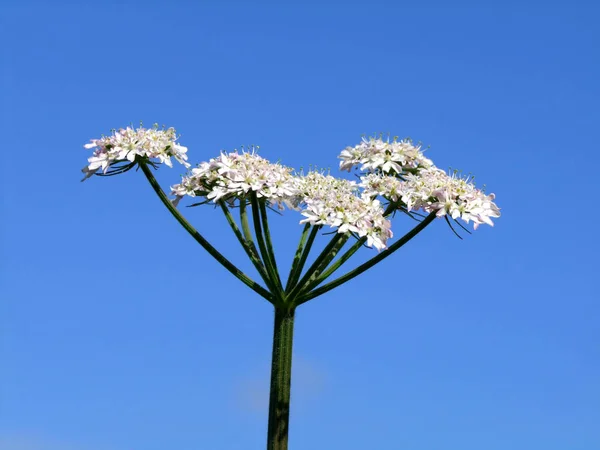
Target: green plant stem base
x=281 y=376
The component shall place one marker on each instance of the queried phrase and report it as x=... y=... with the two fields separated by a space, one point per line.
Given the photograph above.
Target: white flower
x=322 y=199
x=433 y=190
x=326 y=200
x=126 y=144
x=375 y=154
x=397 y=171
x=235 y=175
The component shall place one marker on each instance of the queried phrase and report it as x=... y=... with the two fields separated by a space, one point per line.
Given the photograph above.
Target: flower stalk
x=261 y=230
x=200 y=239
x=370 y=263
x=301 y=256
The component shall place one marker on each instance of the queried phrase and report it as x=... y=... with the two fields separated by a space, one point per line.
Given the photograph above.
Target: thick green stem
x=370 y=263
x=200 y=239
x=281 y=377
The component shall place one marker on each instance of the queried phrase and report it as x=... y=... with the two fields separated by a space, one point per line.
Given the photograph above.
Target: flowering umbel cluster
x=336 y=202
x=235 y=175
x=124 y=145
x=395 y=176
x=377 y=155
x=400 y=173
x=322 y=199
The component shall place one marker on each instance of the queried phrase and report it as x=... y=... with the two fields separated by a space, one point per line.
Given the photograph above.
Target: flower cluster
x=375 y=154
x=234 y=175
x=327 y=200
x=376 y=184
x=322 y=199
x=400 y=173
x=396 y=171
x=126 y=144
x=433 y=190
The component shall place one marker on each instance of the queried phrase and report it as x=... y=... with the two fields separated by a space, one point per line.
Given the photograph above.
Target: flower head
x=433 y=190
x=400 y=173
x=326 y=200
x=375 y=154
x=126 y=144
x=322 y=199
x=235 y=175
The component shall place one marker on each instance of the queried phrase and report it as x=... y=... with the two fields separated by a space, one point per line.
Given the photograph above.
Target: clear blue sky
x=119 y=333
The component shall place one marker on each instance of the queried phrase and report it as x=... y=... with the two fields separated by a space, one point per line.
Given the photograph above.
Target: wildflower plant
x=395 y=178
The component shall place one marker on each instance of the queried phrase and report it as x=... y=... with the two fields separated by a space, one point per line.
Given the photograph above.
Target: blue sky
x=119 y=333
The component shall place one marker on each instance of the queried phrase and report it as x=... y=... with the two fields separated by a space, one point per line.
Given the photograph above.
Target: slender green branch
x=336 y=265
x=297 y=256
x=324 y=258
x=391 y=207
x=268 y=242
x=246 y=226
x=250 y=241
x=248 y=248
x=200 y=239
x=270 y=267
x=370 y=263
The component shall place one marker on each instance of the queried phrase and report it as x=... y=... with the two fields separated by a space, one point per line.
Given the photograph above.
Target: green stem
x=200 y=239
x=250 y=240
x=324 y=258
x=390 y=208
x=335 y=266
x=298 y=254
x=268 y=242
x=281 y=377
x=246 y=226
x=248 y=247
x=298 y=264
x=370 y=263
x=270 y=267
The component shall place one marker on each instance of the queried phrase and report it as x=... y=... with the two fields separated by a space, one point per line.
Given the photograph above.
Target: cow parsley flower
x=375 y=184
x=375 y=154
x=126 y=144
x=433 y=190
x=326 y=200
x=396 y=173
x=321 y=199
x=235 y=175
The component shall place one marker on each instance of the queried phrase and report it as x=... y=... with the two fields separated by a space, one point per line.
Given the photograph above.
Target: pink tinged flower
x=125 y=145
x=342 y=204
x=217 y=193
x=234 y=175
x=375 y=154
